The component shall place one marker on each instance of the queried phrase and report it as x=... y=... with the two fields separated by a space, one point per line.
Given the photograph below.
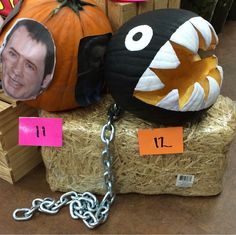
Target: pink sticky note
x=36 y=131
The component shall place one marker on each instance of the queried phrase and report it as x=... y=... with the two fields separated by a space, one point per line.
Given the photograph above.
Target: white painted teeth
x=214 y=32
x=200 y=24
x=166 y=58
x=221 y=73
x=214 y=91
x=171 y=101
x=149 y=82
x=196 y=101
x=186 y=36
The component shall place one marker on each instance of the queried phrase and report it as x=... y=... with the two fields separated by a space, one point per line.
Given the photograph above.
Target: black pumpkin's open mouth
x=177 y=78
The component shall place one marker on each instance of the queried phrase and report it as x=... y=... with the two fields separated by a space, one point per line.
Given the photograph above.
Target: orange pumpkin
x=68 y=22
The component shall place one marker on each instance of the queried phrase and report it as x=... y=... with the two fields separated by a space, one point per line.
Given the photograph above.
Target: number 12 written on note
x=160 y=141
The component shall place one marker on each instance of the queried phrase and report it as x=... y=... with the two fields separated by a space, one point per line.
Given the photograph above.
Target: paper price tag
x=160 y=141
x=35 y=131
x=184 y=181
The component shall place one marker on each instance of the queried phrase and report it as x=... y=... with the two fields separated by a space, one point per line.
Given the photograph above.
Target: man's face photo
x=23 y=65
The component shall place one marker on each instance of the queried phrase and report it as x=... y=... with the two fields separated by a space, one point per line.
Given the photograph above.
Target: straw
x=77 y=165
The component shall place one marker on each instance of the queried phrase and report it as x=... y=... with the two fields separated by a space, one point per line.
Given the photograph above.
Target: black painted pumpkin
x=153 y=68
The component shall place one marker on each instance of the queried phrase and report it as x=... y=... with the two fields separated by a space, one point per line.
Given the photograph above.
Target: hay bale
x=77 y=165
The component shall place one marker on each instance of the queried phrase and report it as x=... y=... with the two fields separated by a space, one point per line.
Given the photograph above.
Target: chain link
x=83 y=206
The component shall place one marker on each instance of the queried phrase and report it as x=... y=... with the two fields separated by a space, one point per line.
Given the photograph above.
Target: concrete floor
x=133 y=213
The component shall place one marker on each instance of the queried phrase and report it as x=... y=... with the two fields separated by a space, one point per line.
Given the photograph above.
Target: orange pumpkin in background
x=78 y=29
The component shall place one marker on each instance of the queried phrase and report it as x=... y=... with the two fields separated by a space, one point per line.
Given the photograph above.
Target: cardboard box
x=119 y=13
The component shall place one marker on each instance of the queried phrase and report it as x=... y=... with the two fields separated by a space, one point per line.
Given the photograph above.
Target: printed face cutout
x=28 y=60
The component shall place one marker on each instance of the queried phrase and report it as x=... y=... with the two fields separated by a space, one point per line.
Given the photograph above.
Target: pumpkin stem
x=75 y=5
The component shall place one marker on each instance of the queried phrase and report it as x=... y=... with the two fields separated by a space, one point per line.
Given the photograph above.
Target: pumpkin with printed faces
x=154 y=70
x=53 y=52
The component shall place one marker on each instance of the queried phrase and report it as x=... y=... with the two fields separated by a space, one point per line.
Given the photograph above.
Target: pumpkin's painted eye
x=138 y=38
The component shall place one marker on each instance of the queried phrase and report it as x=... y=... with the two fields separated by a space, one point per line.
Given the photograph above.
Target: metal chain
x=83 y=206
